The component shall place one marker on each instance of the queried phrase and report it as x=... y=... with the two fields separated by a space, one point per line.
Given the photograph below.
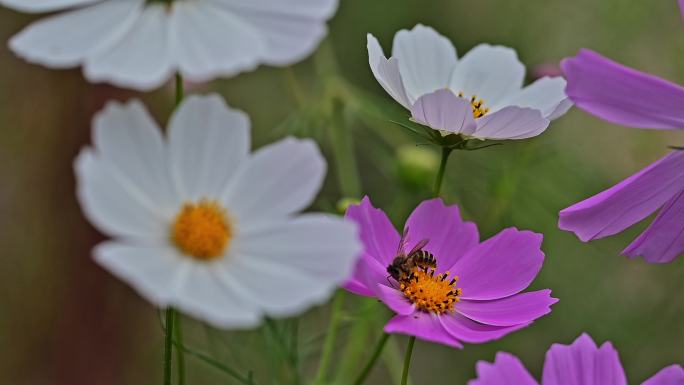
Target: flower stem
x=180 y=91
x=180 y=355
x=369 y=365
x=168 y=345
x=442 y=167
x=407 y=360
x=331 y=336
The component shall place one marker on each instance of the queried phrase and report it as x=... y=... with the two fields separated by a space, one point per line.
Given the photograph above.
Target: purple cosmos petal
x=622 y=95
x=506 y=370
x=582 y=363
x=500 y=266
x=394 y=299
x=681 y=7
x=423 y=326
x=449 y=236
x=367 y=272
x=379 y=237
x=513 y=310
x=671 y=375
x=467 y=330
x=511 y=123
x=628 y=202
x=444 y=110
x=663 y=240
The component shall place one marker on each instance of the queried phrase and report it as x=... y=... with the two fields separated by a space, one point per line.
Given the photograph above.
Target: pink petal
x=671 y=375
x=444 y=110
x=423 y=326
x=513 y=310
x=628 y=202
x=511 y=123
x=500 y=266
x=395 y=300
x=663 y=240
x=449 y=236
x=378 y=235
x=366 y=274
x=622 y=95
x=506 y=370
x=467 y=330
x=582 y=363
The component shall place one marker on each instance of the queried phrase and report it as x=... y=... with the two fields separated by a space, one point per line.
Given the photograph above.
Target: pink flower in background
x=625 y=96
x=582 y=363
x=473 y=292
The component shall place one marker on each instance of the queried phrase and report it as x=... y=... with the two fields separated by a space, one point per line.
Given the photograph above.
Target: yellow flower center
x=429 y=292
x=477 y=105
x=202 y=230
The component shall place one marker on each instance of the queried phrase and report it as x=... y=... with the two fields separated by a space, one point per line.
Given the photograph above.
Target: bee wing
x=419 y=246
x=402 y=242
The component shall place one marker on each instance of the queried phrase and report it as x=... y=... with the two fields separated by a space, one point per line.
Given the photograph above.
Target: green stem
x=407 y=360
x=343 y=150
x=442 y=167
x=247 y=380
x=180 y=356
x=369 y=365
x=329 y=344
x=168 y=345
x=180 y=91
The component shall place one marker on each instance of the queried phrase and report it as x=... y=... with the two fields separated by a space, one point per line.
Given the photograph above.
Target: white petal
x=208 y=141
x=511 y=123
x=289 y=266
x=157 y=272
x=207 y=41
x=426 y=60
x=490 y=72
x=65 y=40
x=44 y=5
x=546 y=94
x=277 y=180
x=443 y=110
x=141 y=59
x=129 y=140
x=114 y=204
x=386 y=72
x=311 y=9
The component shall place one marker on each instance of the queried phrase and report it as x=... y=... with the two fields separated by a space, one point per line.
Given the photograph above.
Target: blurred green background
x=64 y=321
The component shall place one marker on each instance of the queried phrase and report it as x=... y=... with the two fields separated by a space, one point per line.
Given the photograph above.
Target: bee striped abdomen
x=424 y=258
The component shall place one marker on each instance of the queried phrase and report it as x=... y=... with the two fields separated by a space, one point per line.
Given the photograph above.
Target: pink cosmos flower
x=472 y=295
x=622 y=95
x=582 y=363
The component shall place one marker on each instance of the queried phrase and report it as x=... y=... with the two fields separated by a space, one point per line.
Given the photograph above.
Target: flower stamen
x=202 y=230
x=477 y=105
x=429 y=292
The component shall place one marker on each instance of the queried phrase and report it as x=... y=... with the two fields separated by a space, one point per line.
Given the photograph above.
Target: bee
x=403 y=264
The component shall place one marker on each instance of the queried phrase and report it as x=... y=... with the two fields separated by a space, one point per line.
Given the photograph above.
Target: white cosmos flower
x=200 y=224
x=140 y=43
x=480 y=95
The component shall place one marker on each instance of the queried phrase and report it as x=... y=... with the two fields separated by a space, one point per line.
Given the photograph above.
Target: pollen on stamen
x=430 y=292
x=477 y=105
x=202 y=230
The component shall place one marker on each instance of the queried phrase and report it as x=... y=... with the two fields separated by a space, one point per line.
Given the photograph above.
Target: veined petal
x=386 y=72
x=44 y=5
x=582 y=363
x=628 y=202
x=208 y=141
x=394 y=299
x=426 y=60
x=65 y=40
x=511 y=123
x=671 y=375
x=449 y=236
x=506 y=370
x=423 y=326
x=443 y=110
x=623 y=95
x=546 y=95
x=205 y=39
x=310 y=9
x=514 y=310
x=663 y=240
x=141 y=59
x=492 y=73
x=500 y=266
x=276 y=181
x=470 y=331
x=380 y=238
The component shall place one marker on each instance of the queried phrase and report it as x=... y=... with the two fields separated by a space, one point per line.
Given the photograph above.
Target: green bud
x=417 y=165
x=344 y=203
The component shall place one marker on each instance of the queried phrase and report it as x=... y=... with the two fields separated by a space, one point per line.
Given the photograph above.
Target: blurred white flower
x=201 y=224
x=479 y=96
x=139 y=44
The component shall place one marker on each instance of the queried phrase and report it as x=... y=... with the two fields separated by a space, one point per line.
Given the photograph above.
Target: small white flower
x=201 y=224
x=139 y=44
x=479 y=96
